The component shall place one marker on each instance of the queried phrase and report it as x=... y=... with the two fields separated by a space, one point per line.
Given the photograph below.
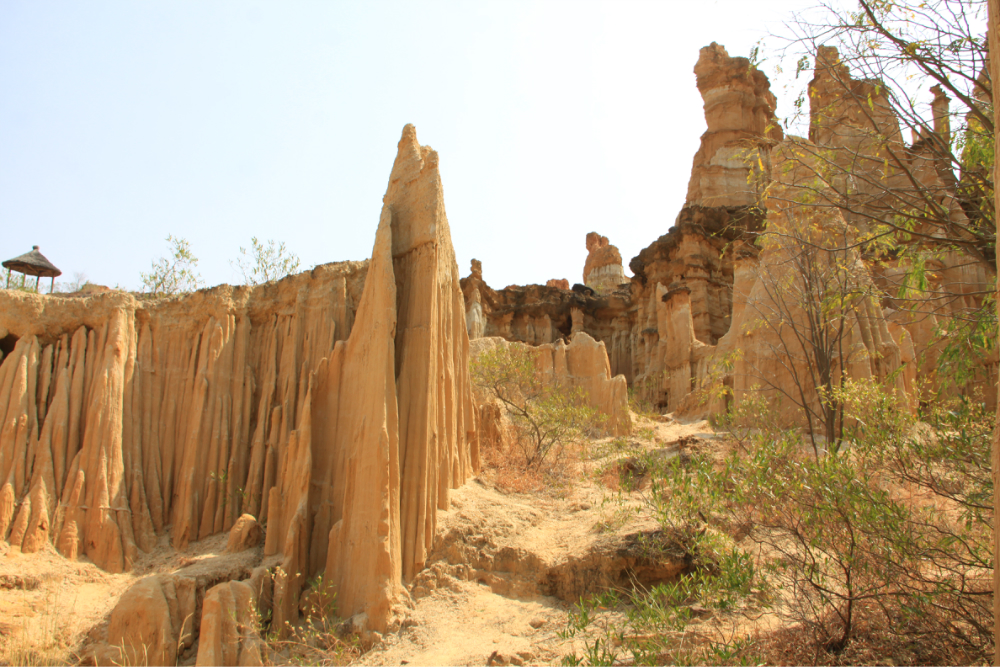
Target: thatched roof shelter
x=32 y=263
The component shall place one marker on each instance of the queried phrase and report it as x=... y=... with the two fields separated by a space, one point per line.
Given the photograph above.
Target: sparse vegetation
x=21 y=282
x=639 y=404
x=656 y=626
x=174 y=274
x=884 y=543
x=317 y=639
x=891 y=532
x=79 y=281
x=548 y=418
x=47 y=639
x=265 y=262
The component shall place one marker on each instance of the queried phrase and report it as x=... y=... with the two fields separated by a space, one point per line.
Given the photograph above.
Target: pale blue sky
x=123 y=122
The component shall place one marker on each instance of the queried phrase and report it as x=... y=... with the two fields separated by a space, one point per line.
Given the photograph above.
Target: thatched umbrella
x=33 y=264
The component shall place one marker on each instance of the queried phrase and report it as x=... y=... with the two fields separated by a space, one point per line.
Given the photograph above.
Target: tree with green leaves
x=265 y=262
x=920 y=65
x=174 y=274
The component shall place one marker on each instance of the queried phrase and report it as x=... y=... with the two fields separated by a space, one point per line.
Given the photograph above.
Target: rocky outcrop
x=560 y=283
x=587 y=366
x=164 y=619
x=642 y=326
x=672 y=327
x=732 y=165
x=603 y=267
x=395 y=402
x=770 y=341
x=534 y=314
x=245 y=534
x=476 y=322
x=228 y=634
x=698 y=254
x=837 y=120
x=854 y=125
x=689 y=272
x=145 y=625
x=335 y=404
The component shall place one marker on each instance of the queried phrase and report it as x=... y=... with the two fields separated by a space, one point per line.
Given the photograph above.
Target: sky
x=122 y=123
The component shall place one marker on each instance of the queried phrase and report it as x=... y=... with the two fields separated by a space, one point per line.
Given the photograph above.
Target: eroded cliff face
x=701 y=294
x=810 y=263
x=884 y=176
x=543 y=314
x=335 y=404
x=125 y=417
x=686 y=273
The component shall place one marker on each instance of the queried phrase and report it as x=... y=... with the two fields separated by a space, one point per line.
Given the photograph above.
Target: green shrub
x=175 y=274
x=893 y=530
x=265 y=262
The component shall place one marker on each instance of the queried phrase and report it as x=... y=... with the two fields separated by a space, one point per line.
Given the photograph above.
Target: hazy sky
x=123 y=122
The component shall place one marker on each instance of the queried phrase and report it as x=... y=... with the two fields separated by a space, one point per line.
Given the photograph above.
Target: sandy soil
x=50 y=604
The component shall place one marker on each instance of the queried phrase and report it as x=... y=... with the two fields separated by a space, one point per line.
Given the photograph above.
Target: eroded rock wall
x=335 y=404
x=884 y=178
x=809 y=284
x=143 y=415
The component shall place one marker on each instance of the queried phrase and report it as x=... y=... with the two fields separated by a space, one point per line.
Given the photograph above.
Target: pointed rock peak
x=415 y=196
x=411 y=159
x=409 y=134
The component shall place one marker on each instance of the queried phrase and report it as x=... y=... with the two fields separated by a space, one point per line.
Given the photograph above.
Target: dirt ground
x=504 y=570
x=506 y=567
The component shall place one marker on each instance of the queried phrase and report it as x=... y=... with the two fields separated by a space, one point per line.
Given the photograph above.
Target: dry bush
x=538 y=424
x=876 y=643
x=506 y=461
x=175 y=274
x=319 y=638
x=265 y=262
